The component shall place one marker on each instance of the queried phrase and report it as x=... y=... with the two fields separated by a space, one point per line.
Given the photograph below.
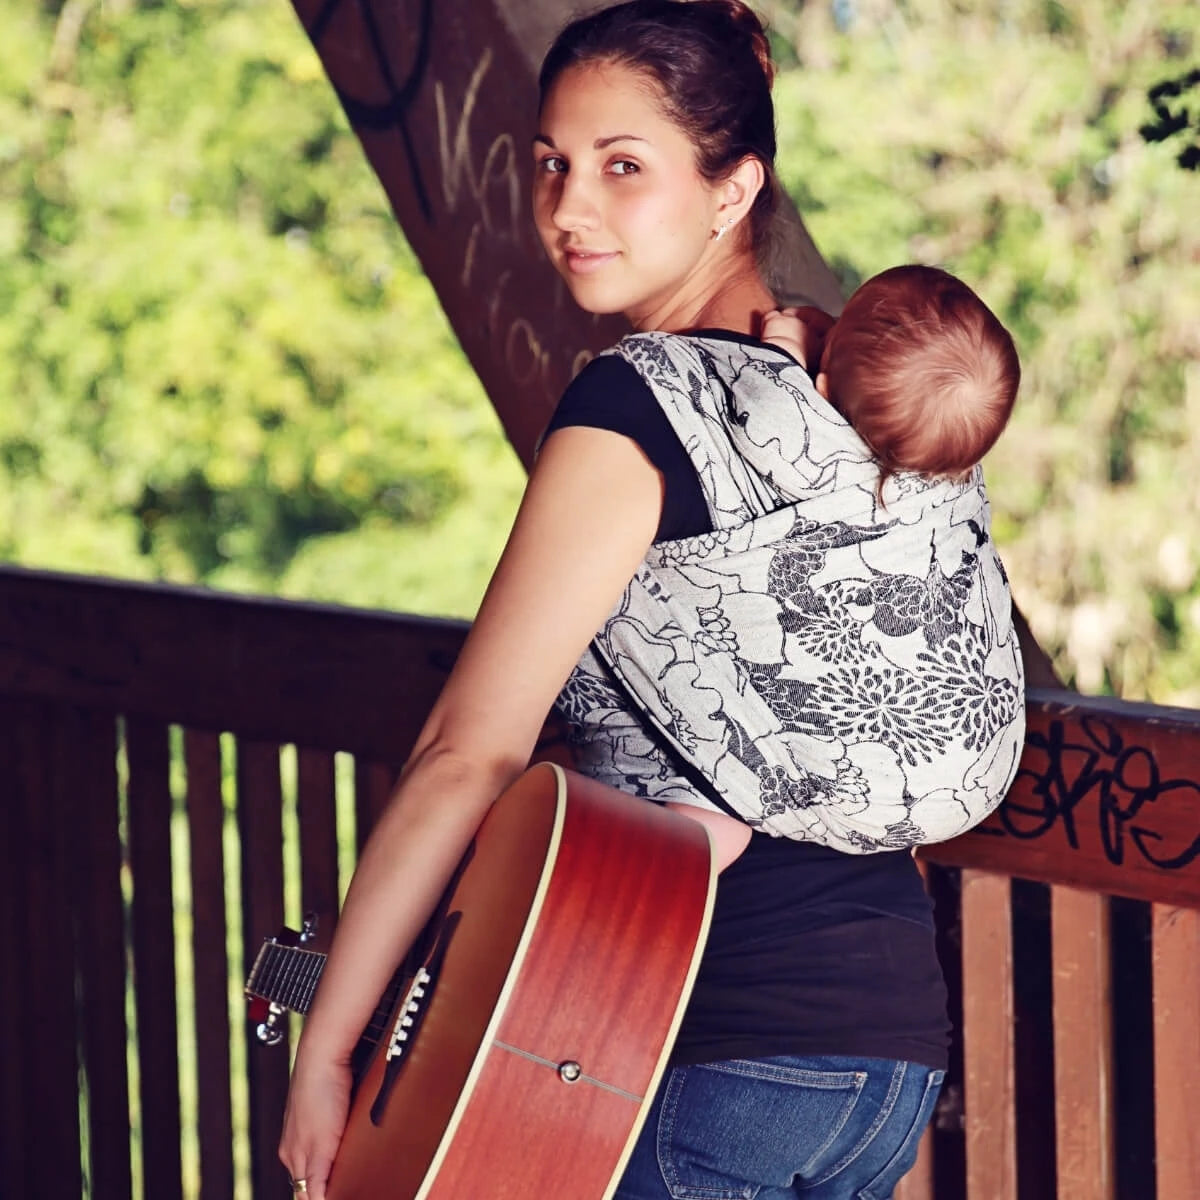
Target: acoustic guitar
x=517 y=1060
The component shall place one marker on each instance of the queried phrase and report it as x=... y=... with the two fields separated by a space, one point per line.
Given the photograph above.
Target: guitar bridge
x=412 y=1013
x=409 y=1014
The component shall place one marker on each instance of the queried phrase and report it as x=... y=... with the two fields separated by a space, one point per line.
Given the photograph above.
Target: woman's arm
x=589 y=514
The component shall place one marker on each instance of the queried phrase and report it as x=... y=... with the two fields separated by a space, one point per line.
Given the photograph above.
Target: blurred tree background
x=221 y=363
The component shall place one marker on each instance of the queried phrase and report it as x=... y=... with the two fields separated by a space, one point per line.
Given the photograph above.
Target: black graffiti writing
x=1173 y=118
x=1094 y=775
x=391 y=113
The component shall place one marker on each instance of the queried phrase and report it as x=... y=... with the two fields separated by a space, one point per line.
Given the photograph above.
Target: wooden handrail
x=319 y=675
x=1107 y=796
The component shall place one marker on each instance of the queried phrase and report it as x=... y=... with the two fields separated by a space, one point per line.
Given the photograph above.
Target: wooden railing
x=1080 y=1002
x=182 y=772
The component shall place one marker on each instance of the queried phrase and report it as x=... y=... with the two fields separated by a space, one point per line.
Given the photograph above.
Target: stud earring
x=724 y=229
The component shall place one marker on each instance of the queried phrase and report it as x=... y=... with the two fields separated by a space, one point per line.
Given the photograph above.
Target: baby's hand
x=799 y=331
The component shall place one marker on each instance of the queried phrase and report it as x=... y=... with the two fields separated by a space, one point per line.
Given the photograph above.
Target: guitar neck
x=287 y=976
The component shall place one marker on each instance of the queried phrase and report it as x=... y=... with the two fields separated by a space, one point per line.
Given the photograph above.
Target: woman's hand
x=317 y=1107
x=799 y=331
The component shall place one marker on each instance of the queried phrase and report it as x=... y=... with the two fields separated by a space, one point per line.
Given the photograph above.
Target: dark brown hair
x=712 y=65
x=923 y=370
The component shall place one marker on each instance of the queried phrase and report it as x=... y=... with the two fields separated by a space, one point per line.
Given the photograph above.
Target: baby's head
x=922 y=369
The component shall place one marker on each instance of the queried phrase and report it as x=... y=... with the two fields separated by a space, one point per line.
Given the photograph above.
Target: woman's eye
x=552 y=164
x=624 y=167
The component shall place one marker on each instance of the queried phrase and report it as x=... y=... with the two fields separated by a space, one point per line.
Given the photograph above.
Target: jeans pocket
x=883 y=1184
x=729 y=1129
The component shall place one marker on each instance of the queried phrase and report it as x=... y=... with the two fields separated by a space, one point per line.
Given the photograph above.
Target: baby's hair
x=711 y=63
x=923 y=370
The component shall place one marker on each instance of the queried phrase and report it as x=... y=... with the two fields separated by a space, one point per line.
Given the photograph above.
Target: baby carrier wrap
x=837 y=671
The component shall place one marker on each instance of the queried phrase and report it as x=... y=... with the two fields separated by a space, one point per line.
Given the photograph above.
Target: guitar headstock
x=270 y=988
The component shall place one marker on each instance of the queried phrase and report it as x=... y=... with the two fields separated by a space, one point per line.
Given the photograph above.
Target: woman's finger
x=312 y=1184
x=311 y=1167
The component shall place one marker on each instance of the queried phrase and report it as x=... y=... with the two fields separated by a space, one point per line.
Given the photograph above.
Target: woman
x=814 y=1046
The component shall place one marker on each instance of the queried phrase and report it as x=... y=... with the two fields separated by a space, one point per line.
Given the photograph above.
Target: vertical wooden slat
x=988 y=1054
x=206 y=829
x=318 y=836
x=51 y=1077
x=1033 y=1039
x=948 y=1126
x=20 y=1001
x=1176 y=933
x=148 y=753
x=1083 y=1061
x=918 y=1183
x=260 y=816
x=373 y=783
x=1132 y=948
x=87 y=780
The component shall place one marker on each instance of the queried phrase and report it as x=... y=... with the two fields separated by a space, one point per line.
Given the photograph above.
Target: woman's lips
x=584 y=262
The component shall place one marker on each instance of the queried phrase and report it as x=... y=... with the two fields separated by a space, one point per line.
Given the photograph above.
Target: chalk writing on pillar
x=526 y=359
x=492 y=186
x=1135 y=808
x=456 y=160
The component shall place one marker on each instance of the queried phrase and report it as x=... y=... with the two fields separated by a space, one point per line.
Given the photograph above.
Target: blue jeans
x=828 y=1128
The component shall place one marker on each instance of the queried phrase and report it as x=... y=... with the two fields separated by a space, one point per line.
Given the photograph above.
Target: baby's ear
x=822 y=382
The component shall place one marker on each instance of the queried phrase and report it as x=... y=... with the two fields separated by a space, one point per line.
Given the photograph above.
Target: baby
x=917 y=363
x=922 y=370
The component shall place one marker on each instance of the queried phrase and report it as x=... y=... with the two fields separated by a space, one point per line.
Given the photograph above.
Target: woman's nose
x=574 y=207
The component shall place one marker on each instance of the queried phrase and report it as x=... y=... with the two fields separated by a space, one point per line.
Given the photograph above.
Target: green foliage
x=230 y=369
x=1004 y=142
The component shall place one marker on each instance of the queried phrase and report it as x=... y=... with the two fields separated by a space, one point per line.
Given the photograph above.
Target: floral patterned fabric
x=836 y=669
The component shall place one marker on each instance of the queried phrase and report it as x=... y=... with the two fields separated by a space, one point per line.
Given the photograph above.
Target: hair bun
x=747 y=23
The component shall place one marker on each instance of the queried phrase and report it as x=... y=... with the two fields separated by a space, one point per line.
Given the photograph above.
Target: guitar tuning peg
x=268 y=1032
x=308 y=930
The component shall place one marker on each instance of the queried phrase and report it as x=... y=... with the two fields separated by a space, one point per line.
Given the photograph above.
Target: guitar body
x=570 y=943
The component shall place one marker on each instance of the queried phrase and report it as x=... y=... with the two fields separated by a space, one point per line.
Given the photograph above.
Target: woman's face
x=624 y=215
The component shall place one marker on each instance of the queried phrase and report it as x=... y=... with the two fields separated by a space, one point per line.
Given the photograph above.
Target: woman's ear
x=740 y=189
